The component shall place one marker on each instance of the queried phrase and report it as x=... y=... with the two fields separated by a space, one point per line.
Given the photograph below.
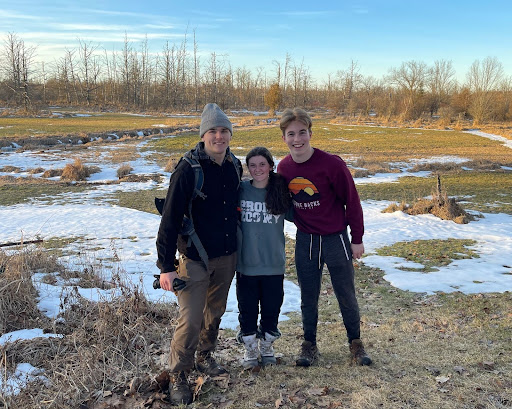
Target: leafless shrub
x=141 y=178
x=18 y=303
x=482 y=164
x=359 y=173
x=29 y=180
x=78 y=171
x=124 y=170
x=365 y=168
x=171 y=164
x=446 y=114
x=435 y=167
x=51 y=173
x=10 y=169
x=439 y=205
x=36 y=170
x=394 y=207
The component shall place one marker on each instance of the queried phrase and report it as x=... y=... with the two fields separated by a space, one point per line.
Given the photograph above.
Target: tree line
x=177 y=79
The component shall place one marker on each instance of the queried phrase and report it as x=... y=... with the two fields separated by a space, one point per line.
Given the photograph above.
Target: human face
x=259 y=169
x=297 y=137
x=216 y=141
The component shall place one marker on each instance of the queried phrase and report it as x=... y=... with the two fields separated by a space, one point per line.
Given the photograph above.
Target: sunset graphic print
x=303 y=190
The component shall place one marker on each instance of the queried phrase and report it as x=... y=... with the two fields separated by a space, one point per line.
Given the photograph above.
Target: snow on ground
x=506 y=142
x=103 y=232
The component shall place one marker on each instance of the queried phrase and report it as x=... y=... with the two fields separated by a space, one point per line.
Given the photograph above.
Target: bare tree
x=369 y=89
x=483 y=79
x=441 y=83
x=167 y=63
x=126 y=68
x=298 y=73
x=196 y=74
x=112 y=83
x=277 y=69
x=18 y=68
x=145 y=73
x=410 y=80
x=349 y=80
x=88 y=70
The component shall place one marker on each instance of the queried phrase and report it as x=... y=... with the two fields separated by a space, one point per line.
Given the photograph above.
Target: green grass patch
x=143 y=200
x=104 y=122
x=374 y=144
x=12 y=194
x=55 y=245
x=430 y=253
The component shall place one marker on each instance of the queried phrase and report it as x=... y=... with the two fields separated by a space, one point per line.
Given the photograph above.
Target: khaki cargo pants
x=202 y=303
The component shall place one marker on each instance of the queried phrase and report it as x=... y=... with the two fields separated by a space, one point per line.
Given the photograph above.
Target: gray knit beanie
x=212 y=117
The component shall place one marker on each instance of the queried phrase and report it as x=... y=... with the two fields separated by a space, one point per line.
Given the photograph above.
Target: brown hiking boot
x=207 y=364
x=179 y=389
x=359 y=355
x=308 y=354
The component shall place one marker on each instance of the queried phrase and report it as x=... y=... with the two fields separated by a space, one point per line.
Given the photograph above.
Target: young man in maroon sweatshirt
x=326 y=202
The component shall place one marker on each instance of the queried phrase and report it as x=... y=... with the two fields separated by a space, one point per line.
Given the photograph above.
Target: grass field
x=79 y=125
x=430 y=351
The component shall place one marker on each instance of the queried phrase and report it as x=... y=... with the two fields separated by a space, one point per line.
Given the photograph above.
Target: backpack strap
x=198 y=176
x=188 y=228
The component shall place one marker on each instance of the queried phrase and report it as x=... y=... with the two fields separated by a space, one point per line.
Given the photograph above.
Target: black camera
x=177 y=284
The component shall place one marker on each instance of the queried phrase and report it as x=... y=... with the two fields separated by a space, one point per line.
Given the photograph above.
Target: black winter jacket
x=215 y=217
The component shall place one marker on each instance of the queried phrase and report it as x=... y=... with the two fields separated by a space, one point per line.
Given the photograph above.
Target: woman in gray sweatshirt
x=264 y=203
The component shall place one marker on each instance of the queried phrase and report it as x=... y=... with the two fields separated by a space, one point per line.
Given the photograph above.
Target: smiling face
x=297 y=137
x=259 y=168
x=216 y=141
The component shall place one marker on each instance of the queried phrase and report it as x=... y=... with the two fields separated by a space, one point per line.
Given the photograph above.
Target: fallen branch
x=20 y=243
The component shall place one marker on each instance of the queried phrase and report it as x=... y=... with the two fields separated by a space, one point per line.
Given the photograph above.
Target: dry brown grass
x=77 y=171
x=51 y=173
x=395 y=207
x=104 y=345
x=18 y=304
x=442 y=206
x=124 y=170
x=171 y=163
x=439 y=205
x=445 y=350
x=368 y=167
x=36 y=170
x=10 y=169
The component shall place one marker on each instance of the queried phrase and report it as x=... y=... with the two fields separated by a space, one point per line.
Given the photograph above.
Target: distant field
x=369 y=150
x=368 y=143
x=487 y=187
x=97 y=122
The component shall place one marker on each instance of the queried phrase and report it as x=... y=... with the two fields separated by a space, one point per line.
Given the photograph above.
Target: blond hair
x=295 y=114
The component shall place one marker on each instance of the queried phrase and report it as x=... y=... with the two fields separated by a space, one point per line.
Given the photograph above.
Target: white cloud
x=6 y=14
x=95 y=27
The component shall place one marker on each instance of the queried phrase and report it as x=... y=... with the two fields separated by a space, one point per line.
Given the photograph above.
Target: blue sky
x=326 y=36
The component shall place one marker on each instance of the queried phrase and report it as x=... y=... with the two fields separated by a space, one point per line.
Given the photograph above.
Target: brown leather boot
x=206 y=363
x=359 y=355
x=179 y=389
x=308 y=354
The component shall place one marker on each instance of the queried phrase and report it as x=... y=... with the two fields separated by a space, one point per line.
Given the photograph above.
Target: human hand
x=357 y=250
x=166 y=280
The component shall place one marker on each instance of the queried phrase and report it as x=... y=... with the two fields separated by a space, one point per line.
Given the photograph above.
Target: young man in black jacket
x=214 y=213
